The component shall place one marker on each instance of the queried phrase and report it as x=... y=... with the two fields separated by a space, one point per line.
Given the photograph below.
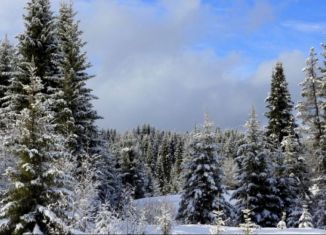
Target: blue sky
x=166 y=62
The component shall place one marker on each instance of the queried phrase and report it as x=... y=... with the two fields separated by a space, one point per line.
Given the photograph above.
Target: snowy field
x=151 y=208
x=204 y=229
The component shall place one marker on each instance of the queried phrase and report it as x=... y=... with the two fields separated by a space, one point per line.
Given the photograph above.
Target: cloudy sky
x=166 y=62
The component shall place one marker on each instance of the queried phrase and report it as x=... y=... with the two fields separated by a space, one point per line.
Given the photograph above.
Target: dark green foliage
x=256 y=186
x=77 y=116
x=292 y=178
x=131 y=167
x=280 y=119
x=37 y=43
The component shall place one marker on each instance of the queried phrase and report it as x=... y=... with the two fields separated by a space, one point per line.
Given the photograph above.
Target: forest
x=62 y=174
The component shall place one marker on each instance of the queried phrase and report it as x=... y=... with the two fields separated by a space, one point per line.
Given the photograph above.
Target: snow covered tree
x=7 y=71
x=164 y=166
x=305 y=221
x=105 y=173
x=7 y=68
x=130 y=166
x=37 y=43
x=165 y=220
x=38 y=181
x=310 y=109
x=175 y=181
x=280 y=119
x=248 y=225
x=256 y=186
x=85 y=201
x=282 y=223
x=107 y=222
x=319 y=215
x=293 y=179
x=132 y=220
x=218 y=229
x=203 y=179
x=77 y=114
x=319 y=198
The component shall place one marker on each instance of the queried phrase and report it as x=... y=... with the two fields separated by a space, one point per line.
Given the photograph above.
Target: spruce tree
x=37 y=43
x=256 y=186
x=7 y=69
x=38 y=182
x=130 y=166
x=305 y=221
x=164 y=165
x=310 y=108
x=77 y=116
x=202 y=192
x=319 y=214
x=280 y=119
x=293 y=180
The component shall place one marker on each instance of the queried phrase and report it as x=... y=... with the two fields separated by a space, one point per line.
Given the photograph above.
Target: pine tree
x=7 y=69
x=107 y=222
x=164 y=165
x=280 y=119
x=319 y=199
x=256 y=186
x=202 y=179
x=175 y=180
x=106 y=174
x=131 y=168
x=85 y=200
x=293 y=180
x=309 y=109
x=165 y=220
x=248 y=225
x=77 y=114
x=37 y=43
x=218 y=227
x=282 y=223
x=39 y=183
x=305 y=221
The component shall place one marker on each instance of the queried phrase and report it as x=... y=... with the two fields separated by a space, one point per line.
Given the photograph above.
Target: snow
x=174 y=200
x=3 y=222
x=37 y=230
x=204 y=229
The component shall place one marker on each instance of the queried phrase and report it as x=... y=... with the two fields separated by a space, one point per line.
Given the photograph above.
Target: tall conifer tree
x=280 y=119
x=310 y=108
x=37 y=43
x=256 y=185
x=78 y=116
x=203 y=190
x=7 y=69
x=38 y=182
x=320 y=200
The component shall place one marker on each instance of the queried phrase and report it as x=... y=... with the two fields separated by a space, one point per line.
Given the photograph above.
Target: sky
x=167 y=62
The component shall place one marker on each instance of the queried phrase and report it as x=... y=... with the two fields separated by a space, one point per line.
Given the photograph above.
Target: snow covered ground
x=151 y=207
x=204 y=229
